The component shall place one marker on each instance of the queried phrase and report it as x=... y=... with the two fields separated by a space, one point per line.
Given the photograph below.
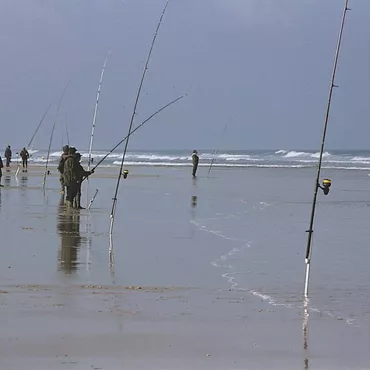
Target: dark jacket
x=195 y=159
x=61 y=162
x=8 y=153
x=24 y=154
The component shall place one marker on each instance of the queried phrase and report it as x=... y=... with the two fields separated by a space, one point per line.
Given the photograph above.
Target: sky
x=261 y=66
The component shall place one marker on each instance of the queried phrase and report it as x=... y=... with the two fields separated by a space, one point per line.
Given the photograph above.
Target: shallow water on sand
x=242 y=230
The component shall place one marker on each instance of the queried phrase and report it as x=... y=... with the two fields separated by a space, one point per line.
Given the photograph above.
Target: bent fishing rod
x=133 y=131
x=96 y=110
x=113 y=211
x=33 y=136
x=39 y=125
x=52 y=133
x=67 y=133
x=94 y=118
x=326 y=182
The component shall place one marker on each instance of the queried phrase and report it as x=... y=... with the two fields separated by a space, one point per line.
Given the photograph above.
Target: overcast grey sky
x=262 y=65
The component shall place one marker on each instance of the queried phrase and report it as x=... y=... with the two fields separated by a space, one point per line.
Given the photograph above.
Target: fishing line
x=134 y=130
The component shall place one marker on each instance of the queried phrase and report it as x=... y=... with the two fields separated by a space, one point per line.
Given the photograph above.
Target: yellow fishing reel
x=326 y=183
x=125 y=174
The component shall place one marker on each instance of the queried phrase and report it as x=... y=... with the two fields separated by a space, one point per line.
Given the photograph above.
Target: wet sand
x=164 y=299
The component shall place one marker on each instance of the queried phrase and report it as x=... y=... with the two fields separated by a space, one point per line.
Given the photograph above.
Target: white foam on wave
x=361 y=159
x=281 y=151
x=294 y=154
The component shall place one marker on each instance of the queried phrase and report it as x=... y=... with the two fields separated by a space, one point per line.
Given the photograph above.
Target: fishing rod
x=52 y=133
x=216 y=150
x=326 y=182
x=96 y=110
x=33 y=136
x=67 y=131
x=134 y=130
x=39 y=125
x=132 y=119
x=93 y=198
x=94 y=118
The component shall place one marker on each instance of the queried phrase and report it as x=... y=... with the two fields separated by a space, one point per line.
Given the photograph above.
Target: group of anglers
x=71 y=176
x=8 y=158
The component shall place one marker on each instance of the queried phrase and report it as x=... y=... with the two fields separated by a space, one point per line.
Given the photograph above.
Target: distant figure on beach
x=24 y=155
x=195 y=159
x=8 y=155
x=61 y=168
x=1 y=172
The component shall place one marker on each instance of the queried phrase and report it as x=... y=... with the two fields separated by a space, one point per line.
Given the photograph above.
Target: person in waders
x=61 y=168
x=24 y=155
x=80 y=174
x=70 y=176
x=1 y=172
x=195 y=159
x=8 y=155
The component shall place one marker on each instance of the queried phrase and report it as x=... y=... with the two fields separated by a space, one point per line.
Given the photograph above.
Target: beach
x=204 y=273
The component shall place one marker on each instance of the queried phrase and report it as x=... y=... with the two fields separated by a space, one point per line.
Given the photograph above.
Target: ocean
x=220 y=261
x=333 y=159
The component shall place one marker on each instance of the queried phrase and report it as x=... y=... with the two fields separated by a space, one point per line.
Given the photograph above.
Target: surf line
x=326 y=182
x=51 y=135
x=114 y=204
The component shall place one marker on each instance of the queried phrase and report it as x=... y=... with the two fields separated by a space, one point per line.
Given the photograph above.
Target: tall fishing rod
x=67 y=133
x=216 y=149
x=32 y=137
x=39 y=125
x=134 y=130
x=96 y=110
x=326 y=182
x=132 y=119
x=94 y=119
x=52 y=133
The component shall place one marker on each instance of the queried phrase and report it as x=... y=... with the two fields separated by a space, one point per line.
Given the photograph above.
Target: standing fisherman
x=61 y=168
x=8 y=156
x=1 y=172
x=80 y=174
x=24 y=155
x=69 y=175
x=195 y=159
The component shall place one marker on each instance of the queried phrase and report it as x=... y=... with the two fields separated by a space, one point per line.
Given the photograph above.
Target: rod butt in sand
x=93 y=198
x=307 y=279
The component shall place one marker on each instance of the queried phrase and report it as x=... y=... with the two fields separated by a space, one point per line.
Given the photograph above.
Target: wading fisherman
x=69 y=176
x=1 y=172
x=80 y=174
x=8 y=155
x=24 y=155
x=195 y=159
x=61 y=168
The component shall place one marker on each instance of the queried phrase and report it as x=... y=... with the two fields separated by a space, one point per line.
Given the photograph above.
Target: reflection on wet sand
x=111 y=257
x=305 y=333
x=24 y=180
x=69 y=230
x=7 y=180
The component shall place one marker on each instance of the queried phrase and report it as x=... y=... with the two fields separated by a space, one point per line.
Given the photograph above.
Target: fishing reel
x=326 y=183
x=125 y=174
